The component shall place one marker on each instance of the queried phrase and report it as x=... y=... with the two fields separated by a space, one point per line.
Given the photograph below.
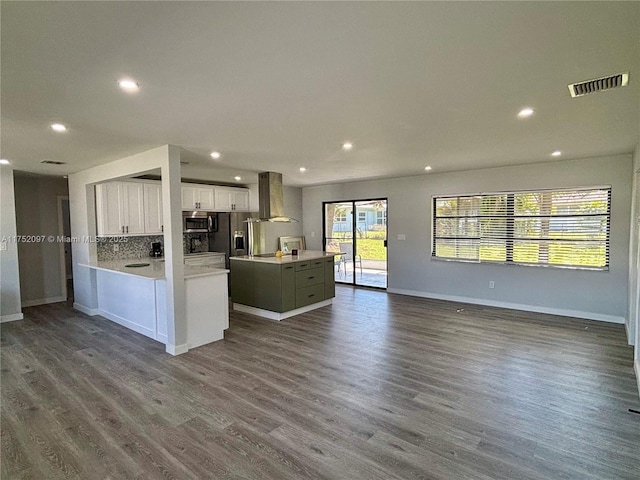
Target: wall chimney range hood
x=271 y=199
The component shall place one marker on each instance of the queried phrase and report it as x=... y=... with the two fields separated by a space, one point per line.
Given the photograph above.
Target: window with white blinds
x=559 y=228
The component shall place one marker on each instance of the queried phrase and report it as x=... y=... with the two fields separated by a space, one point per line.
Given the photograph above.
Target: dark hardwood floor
x=376 y=386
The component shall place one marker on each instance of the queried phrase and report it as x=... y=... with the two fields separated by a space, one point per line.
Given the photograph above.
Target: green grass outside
x=529 y=253
x=369 y=248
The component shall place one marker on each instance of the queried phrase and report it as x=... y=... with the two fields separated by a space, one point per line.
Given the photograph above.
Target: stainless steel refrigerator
x=232 y=235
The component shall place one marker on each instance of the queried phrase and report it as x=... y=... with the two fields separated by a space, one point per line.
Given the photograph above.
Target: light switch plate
x=402 y=236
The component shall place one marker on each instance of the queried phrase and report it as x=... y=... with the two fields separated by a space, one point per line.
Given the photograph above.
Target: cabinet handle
x=288 y=268
x=123 y=229
x=310 y=278
x=162 y=228
x=304 y=264
x=127 y=228
x=312 y=295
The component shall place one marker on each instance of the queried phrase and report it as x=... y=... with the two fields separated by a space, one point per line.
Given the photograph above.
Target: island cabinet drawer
x=317 y=263
x=302 y=265
x=308 y=295
x=306 y=278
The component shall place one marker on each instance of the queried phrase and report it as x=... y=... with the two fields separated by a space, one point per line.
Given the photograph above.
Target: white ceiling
x=277 y=86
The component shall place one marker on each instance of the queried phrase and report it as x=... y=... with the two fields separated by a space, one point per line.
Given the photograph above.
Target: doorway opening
x=358 y=230
x=66 y=262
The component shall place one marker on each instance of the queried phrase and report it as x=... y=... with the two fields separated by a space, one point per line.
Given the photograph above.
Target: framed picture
x=287 y=244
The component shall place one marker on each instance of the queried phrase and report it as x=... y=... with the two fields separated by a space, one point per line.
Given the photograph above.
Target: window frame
x=510 y=228
x=340 y=218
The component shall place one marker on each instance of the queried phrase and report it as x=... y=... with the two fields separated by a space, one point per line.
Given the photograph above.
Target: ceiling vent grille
x=599 y=84
x=53 y=162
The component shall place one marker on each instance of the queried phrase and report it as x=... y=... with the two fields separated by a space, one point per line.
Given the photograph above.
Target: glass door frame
x=354 y=221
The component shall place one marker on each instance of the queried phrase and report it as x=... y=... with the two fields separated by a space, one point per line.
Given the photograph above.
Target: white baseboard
x=86 y=310
x=514 y=306
x=636 y=367
x=147 y=332
x=259 y=312
x=11 y=318
x=43 y=301
x=630 y=336
x=177 y=349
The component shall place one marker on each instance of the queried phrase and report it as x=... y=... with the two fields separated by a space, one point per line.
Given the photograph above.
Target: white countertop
x=301 y=257
x=154 y=271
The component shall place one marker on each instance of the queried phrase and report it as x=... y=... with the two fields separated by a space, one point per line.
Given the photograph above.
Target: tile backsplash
x=132 y=247
x=139 y=247
x=195 y=242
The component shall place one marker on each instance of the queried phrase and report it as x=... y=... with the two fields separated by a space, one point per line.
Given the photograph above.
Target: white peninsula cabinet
x=231 y=199
x=136 y=297
x=120 y=208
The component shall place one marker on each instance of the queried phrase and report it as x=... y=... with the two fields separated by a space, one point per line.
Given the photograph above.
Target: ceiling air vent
x=599 y=84
x=53 y=162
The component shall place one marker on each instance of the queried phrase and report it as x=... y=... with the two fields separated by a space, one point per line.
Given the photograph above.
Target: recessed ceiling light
x=58 y=127
x=427 y=168
x=216 y=155
x=302 y=169
x=525 y=112
x=128 y=85
x=4 y=161
x=347 y=146
x=237 y=178
x=556 y=153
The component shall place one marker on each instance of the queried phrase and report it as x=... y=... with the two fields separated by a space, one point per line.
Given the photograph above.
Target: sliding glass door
x=358 y=230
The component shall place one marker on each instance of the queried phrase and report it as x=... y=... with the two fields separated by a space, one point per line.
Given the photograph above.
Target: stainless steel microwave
x=199 y=222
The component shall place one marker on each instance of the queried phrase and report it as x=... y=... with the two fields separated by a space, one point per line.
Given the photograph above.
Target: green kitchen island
x=281 y=287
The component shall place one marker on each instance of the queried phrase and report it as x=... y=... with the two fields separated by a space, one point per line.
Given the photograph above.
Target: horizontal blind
x=564 y=228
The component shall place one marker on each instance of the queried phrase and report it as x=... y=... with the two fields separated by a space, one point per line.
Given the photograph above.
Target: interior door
x=357 y=229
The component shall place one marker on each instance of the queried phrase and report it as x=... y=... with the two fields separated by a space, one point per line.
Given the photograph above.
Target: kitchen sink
x=136 y=265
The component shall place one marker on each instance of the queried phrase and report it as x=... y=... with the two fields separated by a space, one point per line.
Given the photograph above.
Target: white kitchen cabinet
x=120 y=208
x=153 y=220
x=198 y=197
x=231 y=199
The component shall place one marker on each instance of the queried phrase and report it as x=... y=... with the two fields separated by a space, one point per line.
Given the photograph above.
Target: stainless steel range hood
x=271 y=198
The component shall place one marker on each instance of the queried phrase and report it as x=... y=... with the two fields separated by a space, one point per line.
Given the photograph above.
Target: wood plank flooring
x=376 y=386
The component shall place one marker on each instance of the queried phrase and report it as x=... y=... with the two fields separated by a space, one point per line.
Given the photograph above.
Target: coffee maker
x=156 y=250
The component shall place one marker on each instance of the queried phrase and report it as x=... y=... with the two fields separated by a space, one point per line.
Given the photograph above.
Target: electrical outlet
x=3 y=246
x=116 y=248
x=313 y=234
x=492 y=284
x=402 y=236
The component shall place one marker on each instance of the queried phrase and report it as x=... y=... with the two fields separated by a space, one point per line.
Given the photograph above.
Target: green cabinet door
x=329 y=278
x=268 y=284
x=242 y=282
x=288 y=287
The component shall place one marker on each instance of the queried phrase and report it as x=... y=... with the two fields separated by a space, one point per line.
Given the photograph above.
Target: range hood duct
x=271 y=198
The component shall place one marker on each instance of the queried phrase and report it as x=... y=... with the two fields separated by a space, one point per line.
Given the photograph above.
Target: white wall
x=587 y=294
x=40 y=264
x=10 y=308
x=633 y=319
x=83 y=224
